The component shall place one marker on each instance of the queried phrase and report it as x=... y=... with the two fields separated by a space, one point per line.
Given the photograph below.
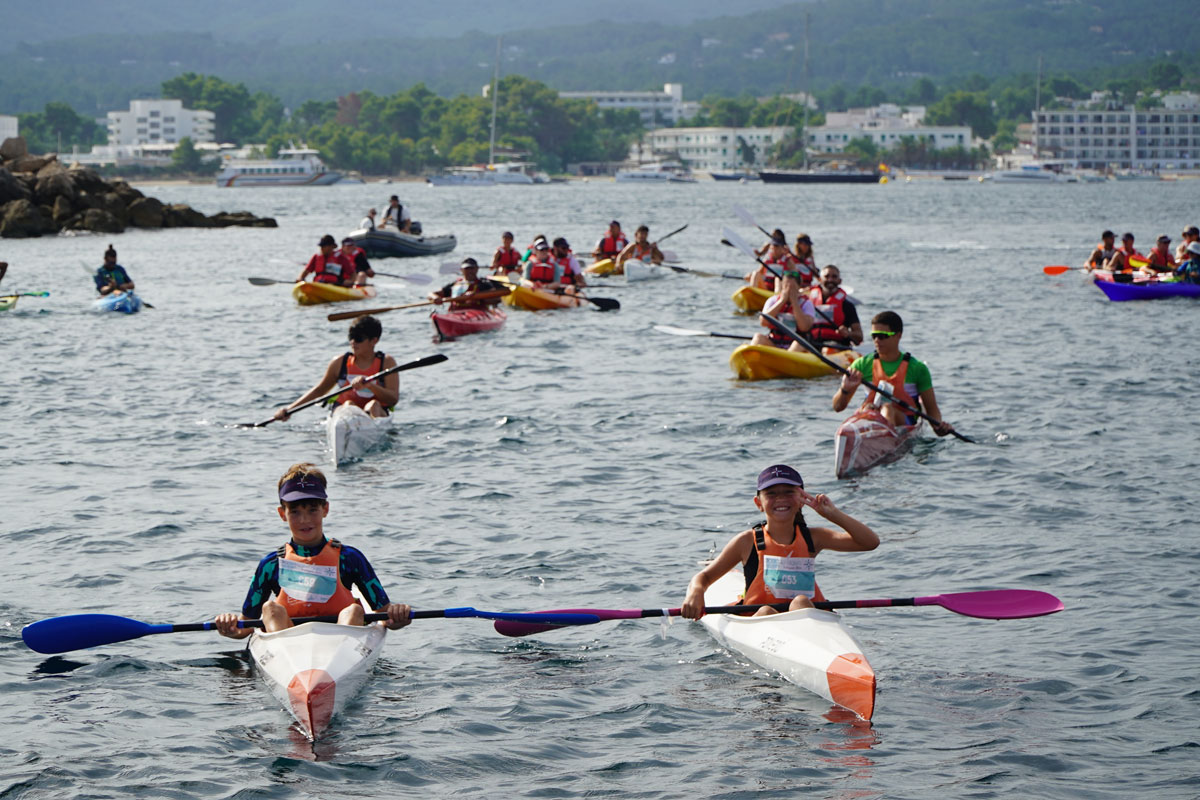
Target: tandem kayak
x=810 y=648
x=315 y=668
x=1150 y=290
x=461 y=322
x=531 y=298
x=866 y=438
x=124 y=302
x=309 y=293
x=353 y=432
x=756 y=362
x=386 y=243
x=751 y=299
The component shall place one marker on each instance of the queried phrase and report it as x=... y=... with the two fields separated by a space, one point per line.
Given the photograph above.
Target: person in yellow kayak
x=112 y=277
x=329 y=265
x=572 y=272
x=640 y=249
x=777 y=557
x=611 y=244
x=806 y=262
x=1160 y=258
x=907 y=379
x=779 y=259
x=506 y=259
x=354 y=254
x=352 y=369
x=792 y=309
x=836 y=321
x=469 y=283
x=310 y=575
x=1103 y=252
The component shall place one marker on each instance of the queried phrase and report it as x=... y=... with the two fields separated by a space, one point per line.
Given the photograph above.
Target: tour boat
x=295 y=166
x=656 y=172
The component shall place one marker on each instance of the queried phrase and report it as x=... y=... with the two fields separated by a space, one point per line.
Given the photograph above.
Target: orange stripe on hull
x=312 y=693
x=852 y=684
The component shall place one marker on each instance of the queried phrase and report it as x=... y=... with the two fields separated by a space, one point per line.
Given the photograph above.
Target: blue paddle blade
x=77 y=631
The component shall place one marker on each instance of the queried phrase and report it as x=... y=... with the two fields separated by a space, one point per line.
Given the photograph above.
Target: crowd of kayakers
x=1160 y=263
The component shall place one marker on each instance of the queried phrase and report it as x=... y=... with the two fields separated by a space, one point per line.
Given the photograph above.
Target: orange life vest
x=312 y=586
x=896 y=380
x=349 y=371
x=776 y=573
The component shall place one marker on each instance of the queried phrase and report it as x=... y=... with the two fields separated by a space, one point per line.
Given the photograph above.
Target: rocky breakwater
x=39 y=196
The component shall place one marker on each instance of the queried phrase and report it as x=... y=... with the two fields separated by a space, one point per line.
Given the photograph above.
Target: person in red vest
x=612 y=243
x=506 y=259
x=329 y=265
x=778 y=557
x=358 y=258
x=836 y=321
x=1160 y=259
x=310 y=575
x=1119 y=262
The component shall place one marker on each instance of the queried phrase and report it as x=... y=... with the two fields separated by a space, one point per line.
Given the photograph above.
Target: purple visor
x=302 y=488
x=780 y=473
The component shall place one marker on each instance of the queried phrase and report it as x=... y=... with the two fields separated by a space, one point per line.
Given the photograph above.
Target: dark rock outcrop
x=39 y=196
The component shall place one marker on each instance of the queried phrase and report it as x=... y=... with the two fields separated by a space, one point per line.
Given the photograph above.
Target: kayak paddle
x=268 y=281
x=990 y=604
x=79 y=631
x=490 y=295
x=420 y=362
x=693 y=332
x=26 y=294
x=417 y=278
x=672 y=233
x=1059 y=269
x=747 y=218
x=816 y=351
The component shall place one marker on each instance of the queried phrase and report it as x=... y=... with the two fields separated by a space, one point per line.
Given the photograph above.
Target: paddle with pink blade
x=988 y=604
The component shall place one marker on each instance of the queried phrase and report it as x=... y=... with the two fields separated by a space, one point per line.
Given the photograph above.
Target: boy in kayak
x=506 y=259
x=330 y=265
x=777 y=557
x=356 y=256
x=352 y=369
x=112 y=277
x=1103 y=252
x=310 y=575
x=908 y=378
x=640 y=249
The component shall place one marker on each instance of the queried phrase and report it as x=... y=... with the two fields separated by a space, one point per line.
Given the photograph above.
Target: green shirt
x=916 y=380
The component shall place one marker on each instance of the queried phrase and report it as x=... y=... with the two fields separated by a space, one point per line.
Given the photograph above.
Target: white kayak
x=315 y=668
x=810 y=648
x=352 y=432
x=866 y=439
x=644 y=271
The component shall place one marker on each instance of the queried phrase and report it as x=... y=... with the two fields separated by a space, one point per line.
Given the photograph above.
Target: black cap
x=803 y=238
x=1126 y=237
x=1191 y=230
x=561 y=242
x=506 y=235
x=1107 y=235
x=327 y=240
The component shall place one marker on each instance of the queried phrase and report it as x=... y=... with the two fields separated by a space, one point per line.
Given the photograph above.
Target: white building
x=141 y=155
x=829 y=139
x=886 y=116
x=158 y=122
x=716 y=149
x=8 y=127
x=1126 y=138
x=656 y=108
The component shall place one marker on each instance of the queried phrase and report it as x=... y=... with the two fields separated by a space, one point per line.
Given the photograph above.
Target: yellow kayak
x=534 y=299
x=750 y=299
x=755 y=362
x=605 y=266
x=309 y=293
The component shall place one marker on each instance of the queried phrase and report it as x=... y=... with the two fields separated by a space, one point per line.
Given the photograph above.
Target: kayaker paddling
x=572 y=272
x=506 y=259
x=897 y=372
x=640 y=249
x=310 y=575
x=357 y=258
x=350 y=369
x=777 y=557
x=792 y=309
x=1103 y=252
x=461 y=292
x=837 y=319
x=112 y=277
x=329 y=265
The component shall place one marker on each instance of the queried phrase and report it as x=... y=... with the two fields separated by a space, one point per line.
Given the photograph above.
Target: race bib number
x=308 y=583
x=789 y=577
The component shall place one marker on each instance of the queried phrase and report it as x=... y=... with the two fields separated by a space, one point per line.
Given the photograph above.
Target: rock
x=52 y=183
x=241 y=219
x=181 y=215
x=98 y=220
x=23 y=219
x=87 y=180
x=126 y=192
x=13 y=147
x=146 y=212
x=27 y=163
x=62 y=211
x=11 y=187
x=52 y=165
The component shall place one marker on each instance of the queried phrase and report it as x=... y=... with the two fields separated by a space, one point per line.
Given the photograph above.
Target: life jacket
x=1105 y=255
x=776 y=572
x=643 y=255
x=834 y=308
x=808 y=270
x=610 y=247
x=388 y=215
x=568 y=272
x=509 y=259
x=311 y=586
x=1160 y=261
x=543 y=271
x=899 y=388
x=349 y=371
x=763 y=279
x=782 y=310
x=785 y=264
x=329 y=270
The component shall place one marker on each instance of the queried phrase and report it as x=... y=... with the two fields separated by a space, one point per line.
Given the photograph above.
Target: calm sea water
x=583 y=459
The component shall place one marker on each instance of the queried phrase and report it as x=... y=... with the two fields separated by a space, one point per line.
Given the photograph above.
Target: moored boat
x=810 y=648
x=124 y=302
x=1149 y=290
x=866 y=439
x=390 y=243
x=454 y=323
x=309 y=293
x=295 y=166
x=353 y=432
x=754 y=362
x=751 y=298
x=315 y=668
x=531 y=298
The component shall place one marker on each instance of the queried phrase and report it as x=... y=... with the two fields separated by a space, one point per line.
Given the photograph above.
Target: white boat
x=644 y=270
x=866 y=439
x=656 y=172
x=511 y=172
x=1034 y=172
x=810 y=648
x=353 y=432
x=315 y=668
x=295 y=166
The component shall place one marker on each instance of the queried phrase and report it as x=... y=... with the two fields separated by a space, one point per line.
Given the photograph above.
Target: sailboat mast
x=495 y=100
x=804 y=138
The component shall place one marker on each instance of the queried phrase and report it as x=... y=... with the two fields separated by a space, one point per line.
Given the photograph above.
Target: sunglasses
x=882 y=334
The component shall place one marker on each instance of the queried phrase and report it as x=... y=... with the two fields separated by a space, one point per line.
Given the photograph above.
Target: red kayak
x=866 y=439
x=461 y=322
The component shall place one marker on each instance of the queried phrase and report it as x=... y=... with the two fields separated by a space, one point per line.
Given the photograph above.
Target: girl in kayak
x=777 y=557
x=310 y=575
x=506 y=259
x=908 y=378
x=351 y=369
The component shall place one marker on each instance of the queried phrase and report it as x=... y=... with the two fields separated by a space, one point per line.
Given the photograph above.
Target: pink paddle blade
x=996 y=604
x=529 y=628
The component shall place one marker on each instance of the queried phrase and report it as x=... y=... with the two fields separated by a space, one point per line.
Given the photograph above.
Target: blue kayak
x=125 y=302
x=1150 y=290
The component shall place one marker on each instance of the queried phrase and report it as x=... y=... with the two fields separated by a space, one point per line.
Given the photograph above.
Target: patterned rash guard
x=353 y=567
